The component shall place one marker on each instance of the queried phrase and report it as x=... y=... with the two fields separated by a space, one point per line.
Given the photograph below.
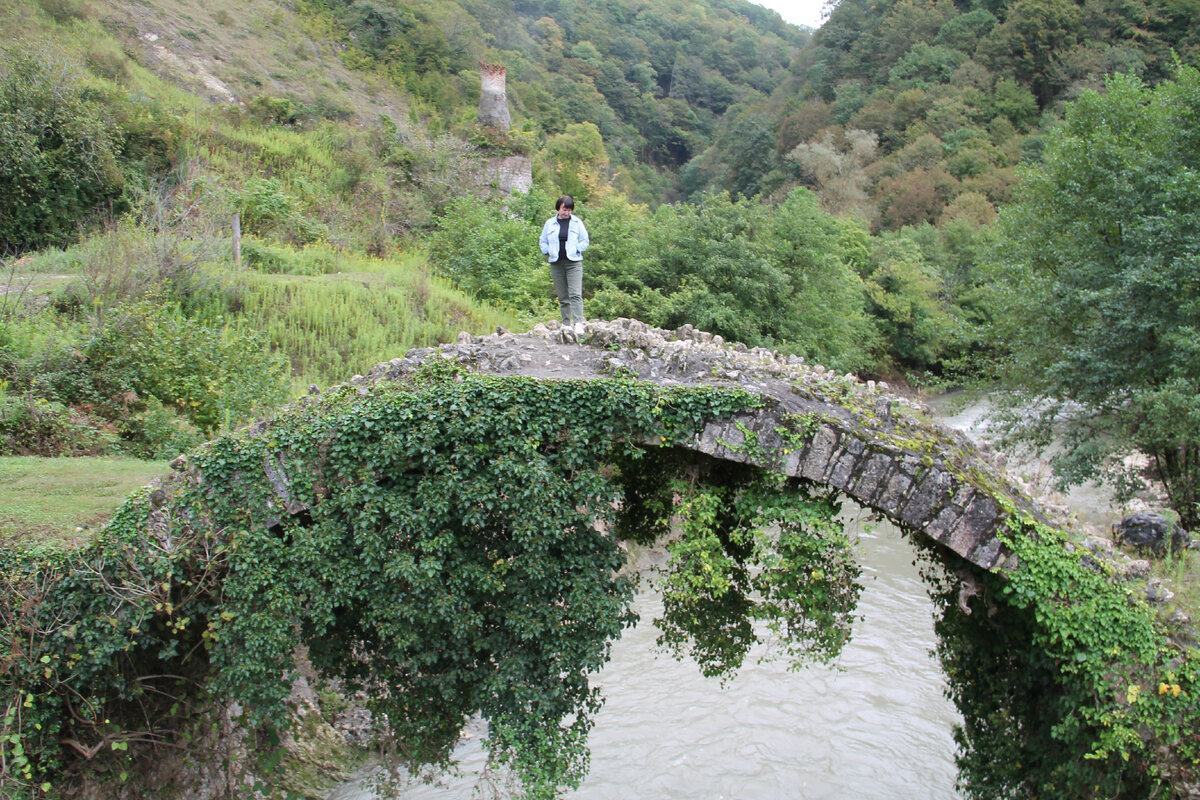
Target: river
x=873 y=725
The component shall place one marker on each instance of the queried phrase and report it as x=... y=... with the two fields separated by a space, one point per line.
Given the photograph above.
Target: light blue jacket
x=577 y=239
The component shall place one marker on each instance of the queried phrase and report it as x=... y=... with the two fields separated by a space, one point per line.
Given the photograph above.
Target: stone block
x=843 y=470
x=872 y=478
x=987 y=554
x=899 y=485
x=930 y=494
x=963 y=496
x=768 y=435
x=818 y=453
x=940 y=526
x=714 y=432
x=976 y=525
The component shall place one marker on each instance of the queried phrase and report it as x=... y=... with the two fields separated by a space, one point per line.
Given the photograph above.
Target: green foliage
x=1068 y=685
x=32 y=425
x=823 y=256
x=715 y=270
x=924 y=65
x=655 y=81
x=58 y=150
x=1101 y=250
x=159 y=432
x=493 y=256
x=904 y=71
x=129 y=261
x=905 y=300
x=577 y=160
x=213 y=378
x=150 y=382
x=753 y=548
x=782 y=276
x=267 y=210
x=473 y=499
x=753 y=156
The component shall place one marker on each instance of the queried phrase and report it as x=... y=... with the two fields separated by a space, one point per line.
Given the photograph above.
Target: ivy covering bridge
x=444 y=536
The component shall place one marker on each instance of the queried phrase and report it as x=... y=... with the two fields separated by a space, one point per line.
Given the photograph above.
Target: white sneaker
x=579 y=331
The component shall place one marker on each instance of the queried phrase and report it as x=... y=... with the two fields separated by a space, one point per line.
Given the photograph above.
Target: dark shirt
x=563 y=226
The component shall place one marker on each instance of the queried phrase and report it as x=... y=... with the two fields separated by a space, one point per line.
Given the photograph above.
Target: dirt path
x=19 y=283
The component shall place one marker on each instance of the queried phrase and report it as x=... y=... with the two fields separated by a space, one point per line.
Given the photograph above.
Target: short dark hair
x=565 y=200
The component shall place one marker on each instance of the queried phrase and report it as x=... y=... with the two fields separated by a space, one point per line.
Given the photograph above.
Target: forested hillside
x=654 y=78
x=910 y=112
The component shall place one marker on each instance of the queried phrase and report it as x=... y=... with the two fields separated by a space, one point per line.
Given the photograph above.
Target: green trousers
x=568 y=285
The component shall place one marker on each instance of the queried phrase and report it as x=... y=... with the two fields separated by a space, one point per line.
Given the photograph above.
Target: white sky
x=797 y=12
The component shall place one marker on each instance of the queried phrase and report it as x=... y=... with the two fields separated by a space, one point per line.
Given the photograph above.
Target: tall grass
x=345 y=313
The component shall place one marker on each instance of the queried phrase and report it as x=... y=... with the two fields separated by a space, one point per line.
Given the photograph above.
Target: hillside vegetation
x=843 y=187
x=909 y=112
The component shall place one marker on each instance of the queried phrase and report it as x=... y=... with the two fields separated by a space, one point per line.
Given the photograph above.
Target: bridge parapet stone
x=874 y=472
x=843 y=469
x=931 y=493
x=898 y=486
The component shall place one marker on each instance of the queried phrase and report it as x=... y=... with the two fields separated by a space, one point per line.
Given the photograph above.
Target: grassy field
x=65 y=500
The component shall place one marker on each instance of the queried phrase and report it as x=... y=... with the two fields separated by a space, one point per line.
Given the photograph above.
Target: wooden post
x=237 y=240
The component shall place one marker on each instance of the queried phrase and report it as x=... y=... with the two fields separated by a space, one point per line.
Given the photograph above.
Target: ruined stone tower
x=502 y=174
x=493 y=99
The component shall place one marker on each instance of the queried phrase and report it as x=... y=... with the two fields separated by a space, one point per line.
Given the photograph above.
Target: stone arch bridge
x=874 y=446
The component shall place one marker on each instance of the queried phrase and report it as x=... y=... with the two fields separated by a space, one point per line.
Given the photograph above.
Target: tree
x=1102 y=302
x=904 y=301
x=712 y=264
x=751 y=146
x=822 y=256
x=577 y=160
x=840 y=173
x=916 y=196
x=1031 y=41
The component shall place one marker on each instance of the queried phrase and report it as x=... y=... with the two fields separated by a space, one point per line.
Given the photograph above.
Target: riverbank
x=1089 y=512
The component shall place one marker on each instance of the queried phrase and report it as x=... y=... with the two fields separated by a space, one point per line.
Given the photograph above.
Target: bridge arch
x=854 y=436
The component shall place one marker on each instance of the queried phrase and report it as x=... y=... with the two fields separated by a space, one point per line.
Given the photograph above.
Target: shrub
x=491 y=255
x=63 y=11
x=267 y=210
x=35 y=426
x=58 y=151
x=158 y=432
x=210 y=377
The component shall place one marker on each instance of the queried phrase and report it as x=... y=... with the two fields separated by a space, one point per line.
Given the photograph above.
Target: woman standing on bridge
x=563 y=241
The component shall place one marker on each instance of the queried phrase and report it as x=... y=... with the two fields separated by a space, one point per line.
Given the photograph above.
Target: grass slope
x=46 y=501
